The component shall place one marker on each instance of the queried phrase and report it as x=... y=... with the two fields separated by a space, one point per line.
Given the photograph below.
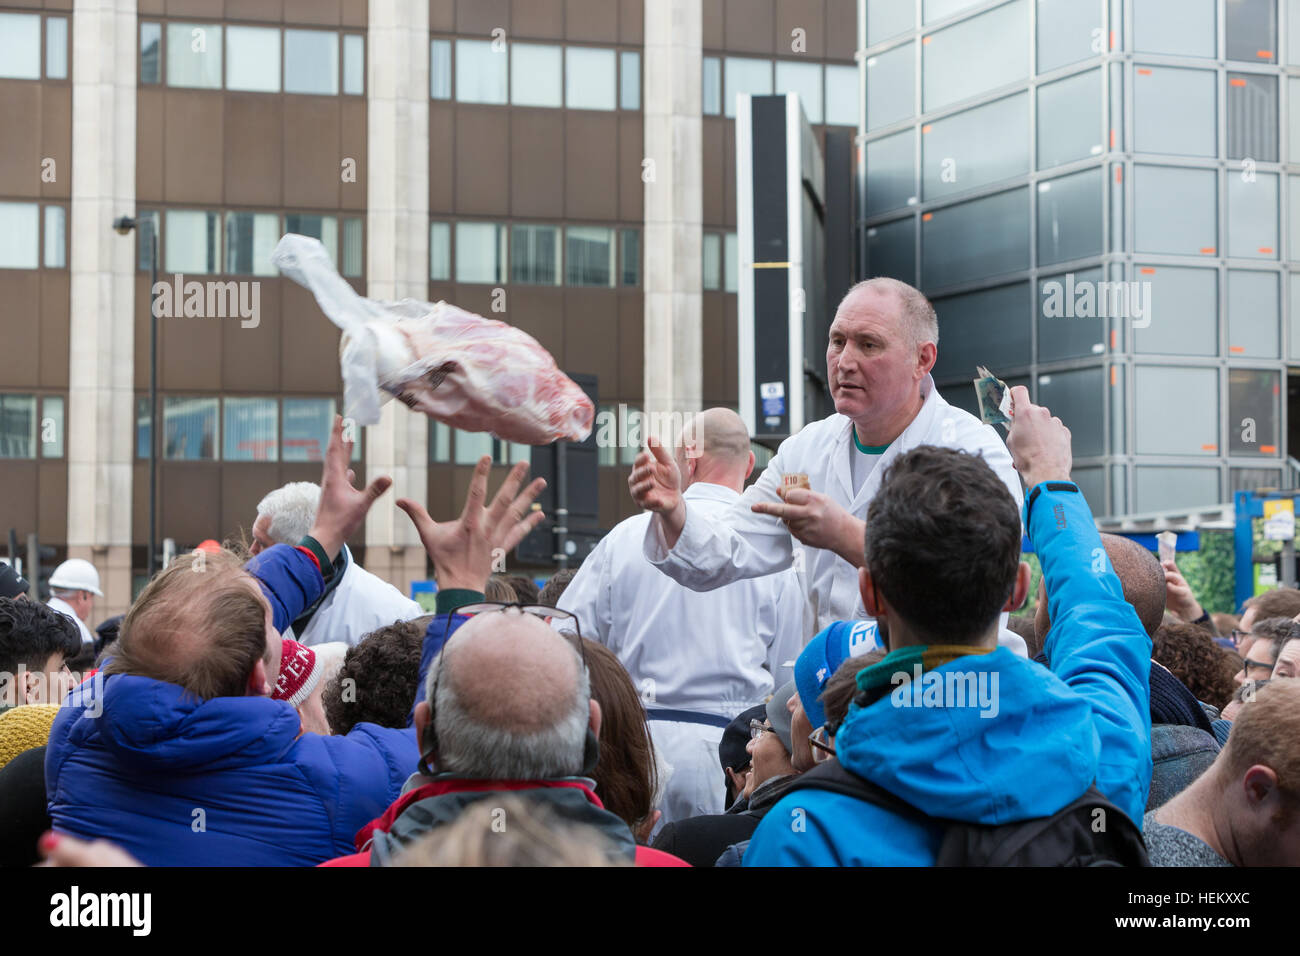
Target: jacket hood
x=1022 y=747
x=151 y=725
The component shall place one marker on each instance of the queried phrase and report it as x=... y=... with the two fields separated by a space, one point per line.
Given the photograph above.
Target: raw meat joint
x=472 y=373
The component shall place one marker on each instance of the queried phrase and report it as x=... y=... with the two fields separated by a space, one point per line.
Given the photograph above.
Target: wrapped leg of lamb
x=472 y=373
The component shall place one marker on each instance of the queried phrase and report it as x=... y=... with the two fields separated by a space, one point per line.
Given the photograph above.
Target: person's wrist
x=1035 y=477
x=331 y=539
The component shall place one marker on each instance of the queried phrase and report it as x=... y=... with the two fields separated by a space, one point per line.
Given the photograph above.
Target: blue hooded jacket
x=230 y=781
x=1048 y=734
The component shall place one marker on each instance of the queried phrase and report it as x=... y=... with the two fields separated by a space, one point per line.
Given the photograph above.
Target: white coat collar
x=710 y=492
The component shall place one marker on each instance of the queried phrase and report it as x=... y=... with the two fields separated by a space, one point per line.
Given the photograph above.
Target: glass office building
x=1102 y=199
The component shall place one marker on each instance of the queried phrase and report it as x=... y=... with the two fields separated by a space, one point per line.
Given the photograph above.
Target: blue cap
x=823 y=655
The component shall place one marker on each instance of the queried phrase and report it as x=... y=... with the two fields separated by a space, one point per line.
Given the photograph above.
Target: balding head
x=915 y=309
x=714 y=447
x=512 y=700
x=1140 y=575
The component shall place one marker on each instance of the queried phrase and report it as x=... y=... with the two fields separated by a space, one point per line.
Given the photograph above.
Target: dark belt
x=687 y=716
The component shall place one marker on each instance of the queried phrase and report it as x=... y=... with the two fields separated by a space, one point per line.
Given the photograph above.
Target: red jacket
x=378 y=840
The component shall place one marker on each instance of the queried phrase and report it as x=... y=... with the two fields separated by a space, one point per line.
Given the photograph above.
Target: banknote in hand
x=994 y=397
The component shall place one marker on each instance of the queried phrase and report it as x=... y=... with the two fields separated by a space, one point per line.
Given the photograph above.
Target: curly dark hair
x=1190 y=653
x=383 y=670
x=31 y=633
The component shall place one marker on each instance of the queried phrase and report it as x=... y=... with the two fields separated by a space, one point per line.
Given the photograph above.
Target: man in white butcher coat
x=882 y=345
x=697 y=659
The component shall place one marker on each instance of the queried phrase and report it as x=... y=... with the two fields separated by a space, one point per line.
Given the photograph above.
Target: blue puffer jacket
x=1054 y=733
x=230 y=781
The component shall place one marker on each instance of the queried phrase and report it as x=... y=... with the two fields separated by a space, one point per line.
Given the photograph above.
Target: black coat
x=701 y=840
x=23 y=814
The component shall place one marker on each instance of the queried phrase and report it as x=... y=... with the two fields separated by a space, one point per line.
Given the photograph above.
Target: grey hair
x=922 y=322
x=292 y=510
x=468 y=747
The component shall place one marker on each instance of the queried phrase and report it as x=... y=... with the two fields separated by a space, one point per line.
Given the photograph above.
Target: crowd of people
x=829 y=666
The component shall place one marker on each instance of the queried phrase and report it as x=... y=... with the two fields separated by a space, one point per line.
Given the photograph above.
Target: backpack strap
x=834 y=777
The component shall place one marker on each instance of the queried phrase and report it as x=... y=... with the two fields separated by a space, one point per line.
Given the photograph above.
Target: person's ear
x=749 y=466
x=1024 y=574
x=421 y=719
x=1260 y=781
x=32 y=687
x=258 y=686
x=926 y=356
x=868 y=591
x=594 y=720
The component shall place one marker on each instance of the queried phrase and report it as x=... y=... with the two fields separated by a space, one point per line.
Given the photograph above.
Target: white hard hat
x=76 y=574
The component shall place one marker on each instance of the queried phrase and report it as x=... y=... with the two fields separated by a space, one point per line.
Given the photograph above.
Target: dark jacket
x=23 y=817
x=701 y=840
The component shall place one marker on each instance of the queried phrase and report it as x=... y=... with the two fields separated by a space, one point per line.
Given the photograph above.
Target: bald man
x=699 y=659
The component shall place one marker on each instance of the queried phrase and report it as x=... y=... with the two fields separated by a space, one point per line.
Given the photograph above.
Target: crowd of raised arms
x=841 y=661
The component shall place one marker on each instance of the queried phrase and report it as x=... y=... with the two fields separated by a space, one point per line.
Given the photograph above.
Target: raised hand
x=462 y=550
x=655 y=481
x=1039 y=444
x=343 y=508
x=818 y=521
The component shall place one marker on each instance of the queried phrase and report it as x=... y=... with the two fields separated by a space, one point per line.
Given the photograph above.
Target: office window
x=589 y=79
x=975 y=147
x=1251 y=30
x=480 y=72
x=745 y=75
x=311 y=62
x=143 y=430
x=1183 y=312
x=307 y=426
x=1252 y=117
x=940 y=9
x=56 y=237
x=606 y=447
x=440 y=69
x=1293 y=217
x=1092 y=485
x=1164 y=489
x=1177 y=410
x=150 y=53
x=891 y=173
x=354 y=64
x=630 y=254
x=1070 y=120
x=19 y=231
x=17 y=422
x=1174 y=111
x=989 y=327
x=1069 y=217
x=1069 y=312
x=631 y=423
x=193 y=242
x=975 y=55
x=806 y=80
x=1293 y=115
x=629 y=80
x=439 y=442
x=1293 y=32
x=439 y=251
x=194 y=55
x=148 y=238
x=471 y=446
x=948 y=256
x=842 y=83
x=1178 y=27
x=1254 y=309
x=352 y=247
x=891 y=86
x=711 y=83
x=1253 y=412
x=589 y=255
x=56 y=48
x=1252 y=216
x=1175 y=210
x=1076 y=398
x=730 y=263
x=190 y=429
x=253 y=59
x=324 y=228
x=891 y=250
x=886 y=19
x=250 y=238
x=1293 y=317
x=535 y=72
x=480 y=252
x=250 y=429
x=711 y=271
x=52 y=426
x=20 y=46
x=1069 y=31
x=535 y=255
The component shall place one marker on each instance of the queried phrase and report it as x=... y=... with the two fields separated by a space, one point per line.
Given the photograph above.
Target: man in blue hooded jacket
x=178 y=754
x=958 y=728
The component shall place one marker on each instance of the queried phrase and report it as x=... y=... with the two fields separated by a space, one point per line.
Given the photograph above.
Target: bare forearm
x=852 y=542
x=671 y=524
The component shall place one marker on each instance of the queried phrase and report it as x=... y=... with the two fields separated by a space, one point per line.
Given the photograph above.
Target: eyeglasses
x=758 y=728
x=1247 y=664
x=822 y=748
x=544 y=611
x=1238 y=634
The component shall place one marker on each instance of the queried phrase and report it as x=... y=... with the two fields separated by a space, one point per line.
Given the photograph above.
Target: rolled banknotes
x=994 y=397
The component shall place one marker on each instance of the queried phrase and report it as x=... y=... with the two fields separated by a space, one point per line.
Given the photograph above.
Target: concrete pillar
x=397 y=194
x=673 y=206
x=101 y=402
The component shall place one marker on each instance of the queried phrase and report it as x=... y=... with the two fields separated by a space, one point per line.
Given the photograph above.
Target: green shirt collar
x=867 y=449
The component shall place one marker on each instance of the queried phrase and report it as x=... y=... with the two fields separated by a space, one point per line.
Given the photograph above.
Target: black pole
x=561 y=505
x=153 y=398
